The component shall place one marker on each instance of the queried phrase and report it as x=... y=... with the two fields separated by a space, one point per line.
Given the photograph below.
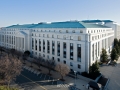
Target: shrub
x=100 y=63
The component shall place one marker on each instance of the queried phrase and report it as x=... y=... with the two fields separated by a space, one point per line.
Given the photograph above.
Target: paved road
x=30 y=81
x=113 y=73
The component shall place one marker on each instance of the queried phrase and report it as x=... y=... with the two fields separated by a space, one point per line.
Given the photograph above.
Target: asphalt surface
x=113 y=73
x=30 y=81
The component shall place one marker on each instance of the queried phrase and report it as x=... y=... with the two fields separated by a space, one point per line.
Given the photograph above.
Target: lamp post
x=75 y=78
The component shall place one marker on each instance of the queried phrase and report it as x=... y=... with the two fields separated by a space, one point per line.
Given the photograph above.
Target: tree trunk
x=8 y=85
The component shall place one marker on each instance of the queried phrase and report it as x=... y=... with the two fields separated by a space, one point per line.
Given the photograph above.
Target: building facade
x=115 y=26
x=74 y=43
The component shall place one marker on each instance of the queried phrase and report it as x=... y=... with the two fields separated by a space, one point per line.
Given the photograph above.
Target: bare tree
x=1 y=49
x=10 y=67
x=50 y=64
x=31 y=60
x=63 y=69
x=18 y=54
x=12 y=51
x=39 y=62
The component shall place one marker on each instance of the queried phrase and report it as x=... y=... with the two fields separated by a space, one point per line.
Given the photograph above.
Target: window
x=39 y=54
x=48 y=56
x=73 y=31
x=71 y=64
x=32 y=34
x=52 y=58
x=48 y=35
x=60 y=31
x=58 y=36
x=43 y=35
x=81 y=31
x=92 y=37
x=39 y=35
x=79 y=66
x=64 y=62
x=64 y=37
x=71 y=37
x=43 y=55
x=52 y=36
x=79 y=52
x=58 y=60
x=79 y=38
x=66 y=31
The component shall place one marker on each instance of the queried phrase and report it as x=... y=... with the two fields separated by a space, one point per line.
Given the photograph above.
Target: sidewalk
x=81 y=84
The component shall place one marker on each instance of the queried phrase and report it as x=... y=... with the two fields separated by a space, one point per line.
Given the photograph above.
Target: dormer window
x=66 y=31
x=81 y=31
x=73 y=31
x=60 y=31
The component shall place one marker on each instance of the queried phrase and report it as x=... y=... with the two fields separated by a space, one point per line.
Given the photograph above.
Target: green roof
x=96 y=21
x=67 y=24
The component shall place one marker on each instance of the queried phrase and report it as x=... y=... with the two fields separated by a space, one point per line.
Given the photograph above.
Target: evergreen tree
x=104 y=56
x=119 y=43
x=117 y=49
x=115 y=41
x=114 y=55
x=94 y=70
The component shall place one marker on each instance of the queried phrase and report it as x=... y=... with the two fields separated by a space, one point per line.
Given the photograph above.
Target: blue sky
x=34 y=11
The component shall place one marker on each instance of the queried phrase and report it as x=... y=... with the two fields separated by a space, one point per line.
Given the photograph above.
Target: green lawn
x=5 y=88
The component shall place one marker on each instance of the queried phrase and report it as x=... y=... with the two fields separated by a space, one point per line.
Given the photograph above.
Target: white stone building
x=74 y=43
x=115 y=26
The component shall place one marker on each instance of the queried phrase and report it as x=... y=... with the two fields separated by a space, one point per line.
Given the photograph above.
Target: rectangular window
x=48 y=46
x=53 y=47
x=43 y=45
x=71 y=64
x=79 y=66
x=52 y=36
x=58 y=48
x=93 y=51
x=81 y=31
x=71 y=37
x=64 y=62
x=58 y=60
x=39 y=45
x=71 y=51
x=43 y=55
x=66 y=31
x=64 y=37
x=48 y=35
x=32 y=43
x=79 y=38
x=79 y=52
x=64 y=49
x=58 y=36
x=35 y=44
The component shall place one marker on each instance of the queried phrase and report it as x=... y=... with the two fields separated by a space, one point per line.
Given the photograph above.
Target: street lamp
x=75 y=77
